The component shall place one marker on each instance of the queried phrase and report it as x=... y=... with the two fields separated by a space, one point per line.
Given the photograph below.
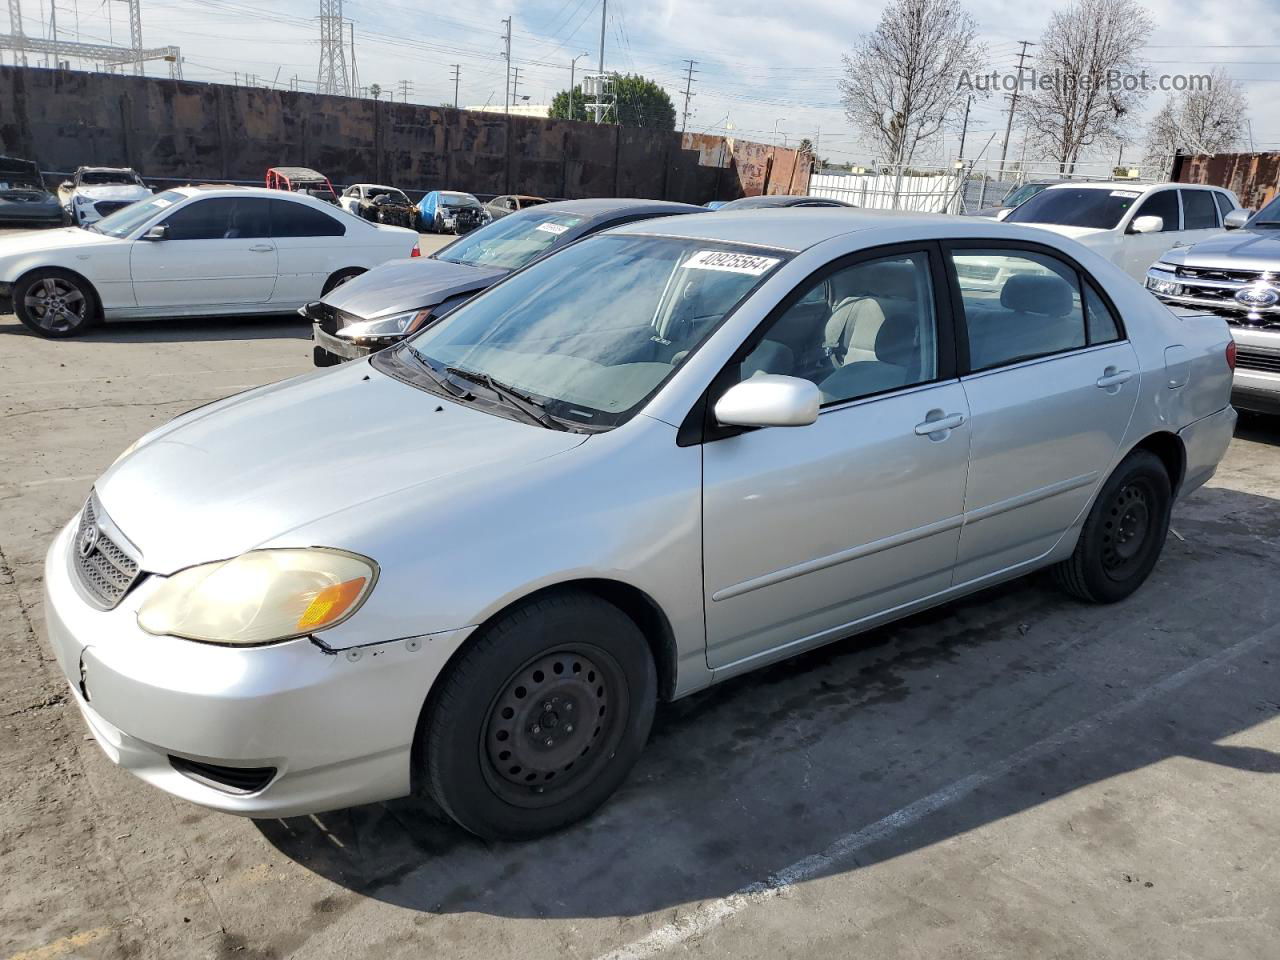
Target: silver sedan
x=474 y=563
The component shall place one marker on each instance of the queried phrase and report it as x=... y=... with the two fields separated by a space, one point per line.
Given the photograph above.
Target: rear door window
x=289 y=219
x=1199 y=212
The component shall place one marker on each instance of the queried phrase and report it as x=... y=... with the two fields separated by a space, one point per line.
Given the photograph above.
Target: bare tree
x=1209 y=119
x=900 y=80
x=1087 y=83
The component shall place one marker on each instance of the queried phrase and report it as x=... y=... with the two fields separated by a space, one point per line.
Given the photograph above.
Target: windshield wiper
x=530 y=407
x=444 y=383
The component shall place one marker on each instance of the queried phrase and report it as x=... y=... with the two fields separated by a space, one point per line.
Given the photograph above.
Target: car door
x=312 y=246
x=1139 y=250
x=217 y=251
x=1051 y=383
x=809 y=530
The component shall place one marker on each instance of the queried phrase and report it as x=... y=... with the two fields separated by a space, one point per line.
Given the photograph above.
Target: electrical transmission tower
x=109 y=55
x=406 y=88
x=332 y=78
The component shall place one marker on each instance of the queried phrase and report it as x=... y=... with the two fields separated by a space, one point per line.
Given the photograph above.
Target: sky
x=765 y=70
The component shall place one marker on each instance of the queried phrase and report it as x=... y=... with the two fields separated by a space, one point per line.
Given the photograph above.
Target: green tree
x=640 y=103
x=375 y=91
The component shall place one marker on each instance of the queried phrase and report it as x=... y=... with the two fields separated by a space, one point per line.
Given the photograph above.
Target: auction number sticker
x=748 y=263
x=1128 y=194
x=553 y=228
x=163 y=202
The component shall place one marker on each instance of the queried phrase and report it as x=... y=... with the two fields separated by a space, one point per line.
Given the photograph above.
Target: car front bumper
x=335 y=728
x=1256 y=386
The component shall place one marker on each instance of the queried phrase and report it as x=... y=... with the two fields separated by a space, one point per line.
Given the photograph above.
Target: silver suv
x=1237 y=276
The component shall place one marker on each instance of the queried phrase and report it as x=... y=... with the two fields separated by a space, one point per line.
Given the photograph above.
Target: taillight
x=1231 y=354
x=417 y=251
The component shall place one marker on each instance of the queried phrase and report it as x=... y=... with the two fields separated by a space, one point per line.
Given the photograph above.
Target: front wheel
x=55 y=303
x=541 y=719
x=1123 y=534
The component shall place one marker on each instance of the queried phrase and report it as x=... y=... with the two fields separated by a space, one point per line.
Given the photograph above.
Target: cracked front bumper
x=337 y=727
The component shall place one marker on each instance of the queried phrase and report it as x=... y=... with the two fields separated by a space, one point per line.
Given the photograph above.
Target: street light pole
x=774 y=139
x=573 y=65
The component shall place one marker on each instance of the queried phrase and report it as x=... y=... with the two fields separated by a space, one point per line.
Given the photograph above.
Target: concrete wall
x=174 y=130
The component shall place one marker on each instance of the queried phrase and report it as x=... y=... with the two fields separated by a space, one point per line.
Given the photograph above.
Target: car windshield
x=1022 y=194
x=102 y=178
x=459 y=200
x=594 y=331
x=1076 y=207
x=1268 y=216
x=124 y=221
x=511 y=242
x=389 y=193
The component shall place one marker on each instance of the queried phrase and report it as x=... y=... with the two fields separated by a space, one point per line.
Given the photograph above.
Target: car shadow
x=1258 y=427
x=184 y=329
x=996 y=704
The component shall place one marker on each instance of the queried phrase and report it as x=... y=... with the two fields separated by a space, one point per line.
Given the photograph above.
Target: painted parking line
x=715 y=913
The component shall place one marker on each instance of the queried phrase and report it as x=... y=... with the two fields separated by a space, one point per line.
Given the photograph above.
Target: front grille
x=1220 y=275
x=238 y=780
x=107 y=207
x=1249 y=359
x=105 y=570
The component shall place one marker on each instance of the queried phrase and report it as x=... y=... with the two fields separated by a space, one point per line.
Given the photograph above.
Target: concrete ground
x=1016 y=775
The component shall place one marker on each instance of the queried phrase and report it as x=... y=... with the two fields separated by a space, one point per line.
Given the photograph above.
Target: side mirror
x=1236 y=219
x=158 y=232
x=769 y=400
x=1001 y=214
x=1147 y=225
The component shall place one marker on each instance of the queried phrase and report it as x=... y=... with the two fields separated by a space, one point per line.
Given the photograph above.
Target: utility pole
x=964 y=128
x=355 y=75
x=688 y=92
x=515 y=87
x=1013 y=104
x=457 y=79
x=406 y=88
x=573 y=65
x=507 y=56
x=599 y=107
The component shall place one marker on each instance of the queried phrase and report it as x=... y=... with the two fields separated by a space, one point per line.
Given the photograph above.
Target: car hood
x=1075 y=233
x=403 y=285
x=246 y=471
x=24 y=193
x=59 y=239
x=1239 y=250
x=113 y=191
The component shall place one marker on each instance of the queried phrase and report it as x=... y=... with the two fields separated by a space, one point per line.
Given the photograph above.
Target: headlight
x=1166 y=287
x=264 y=596
x=392 y=326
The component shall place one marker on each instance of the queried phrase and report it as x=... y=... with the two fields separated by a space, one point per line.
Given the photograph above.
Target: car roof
x=104 y=170
x=798 y=228
x=299 y=173
x=605 y=206
x=234 y=190
x=1125 y=185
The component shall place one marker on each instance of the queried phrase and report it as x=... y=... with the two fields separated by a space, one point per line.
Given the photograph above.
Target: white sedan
x=193 y=251
x=1131 y=224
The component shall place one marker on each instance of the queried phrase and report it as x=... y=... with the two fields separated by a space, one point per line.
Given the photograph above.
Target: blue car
x=446 y=211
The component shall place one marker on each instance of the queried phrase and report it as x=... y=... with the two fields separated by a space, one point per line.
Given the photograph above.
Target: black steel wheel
x=540 y=718
x=1124 y=533
x=55 y=303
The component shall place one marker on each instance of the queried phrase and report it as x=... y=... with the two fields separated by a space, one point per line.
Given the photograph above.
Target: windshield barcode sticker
x=163 y=202
x=1129 y=194
x=748 y=263
x=555 y=228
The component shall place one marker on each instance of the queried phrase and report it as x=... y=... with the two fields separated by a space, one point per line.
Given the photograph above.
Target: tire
x=1123 y=534
x=339 y=278
x=55 y=303
x=488 y=752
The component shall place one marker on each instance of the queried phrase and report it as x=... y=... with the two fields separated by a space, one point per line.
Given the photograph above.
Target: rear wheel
x=55 y=303
x=541 y=719
x=1123 y=534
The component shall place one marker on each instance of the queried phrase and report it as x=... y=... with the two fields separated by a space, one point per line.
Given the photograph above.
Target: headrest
x=1048 y=296
x=889 y=278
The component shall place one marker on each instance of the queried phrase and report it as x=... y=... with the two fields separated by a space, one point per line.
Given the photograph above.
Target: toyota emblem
x=88 y=541
x=1259 y=295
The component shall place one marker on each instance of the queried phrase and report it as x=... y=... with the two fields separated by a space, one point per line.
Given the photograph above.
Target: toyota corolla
x=474 y=563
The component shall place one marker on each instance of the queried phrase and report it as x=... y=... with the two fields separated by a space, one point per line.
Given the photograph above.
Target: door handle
x=1111 y=377
x=936 y=422
x=261 y=248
